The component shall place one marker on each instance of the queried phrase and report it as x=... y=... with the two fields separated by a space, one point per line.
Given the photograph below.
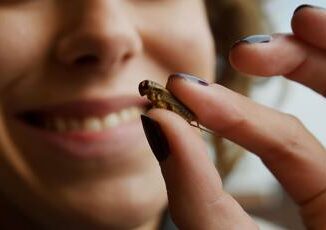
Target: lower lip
x=87 y=144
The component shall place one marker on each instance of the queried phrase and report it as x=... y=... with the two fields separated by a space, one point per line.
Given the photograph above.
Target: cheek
x=182 y=44
x=22 y=46
x=193 y=51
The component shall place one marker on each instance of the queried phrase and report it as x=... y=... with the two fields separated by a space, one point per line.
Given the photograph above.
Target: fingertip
x=249 y=58
x=175 y=128
x=298 y=19
x=156 y=138
x=186 y=77
x=254 y=39
x=236 y=55
x=248 y=49
x=308 y=24
x=303 y=7
x=280 y=56
x=188 y=152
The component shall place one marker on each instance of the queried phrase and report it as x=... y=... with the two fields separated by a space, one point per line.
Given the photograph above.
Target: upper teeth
x=93 y=123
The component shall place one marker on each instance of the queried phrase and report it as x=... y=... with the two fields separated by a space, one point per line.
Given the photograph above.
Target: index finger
x=293 y=155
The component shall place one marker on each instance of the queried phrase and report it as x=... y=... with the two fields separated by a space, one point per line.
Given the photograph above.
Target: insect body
x=162 y=98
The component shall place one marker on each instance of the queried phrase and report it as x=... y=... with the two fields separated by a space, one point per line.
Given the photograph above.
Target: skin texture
x=287 y=148
x=57 y=52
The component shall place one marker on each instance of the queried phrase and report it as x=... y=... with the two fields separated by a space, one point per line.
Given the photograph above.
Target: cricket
x=160 y=97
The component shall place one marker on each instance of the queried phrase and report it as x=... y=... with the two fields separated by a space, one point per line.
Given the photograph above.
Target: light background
x=251 y=176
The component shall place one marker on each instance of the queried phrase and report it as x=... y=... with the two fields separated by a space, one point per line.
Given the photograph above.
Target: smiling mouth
x=85 y=117
x=82 y=124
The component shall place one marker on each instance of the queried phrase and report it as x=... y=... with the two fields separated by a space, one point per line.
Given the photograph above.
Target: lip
x=85 y=144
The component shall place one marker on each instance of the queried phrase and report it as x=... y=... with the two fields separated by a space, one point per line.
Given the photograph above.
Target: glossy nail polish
x=305 y=6
x=188 y=77
x=253 y=39
x=156 y=138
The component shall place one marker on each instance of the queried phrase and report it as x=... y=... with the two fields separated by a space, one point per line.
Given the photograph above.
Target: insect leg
x=197 y=125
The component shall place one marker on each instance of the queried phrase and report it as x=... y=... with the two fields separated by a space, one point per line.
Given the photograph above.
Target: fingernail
x=253 y=39
x=188 y=77
x=304 y=6
x=156 y=138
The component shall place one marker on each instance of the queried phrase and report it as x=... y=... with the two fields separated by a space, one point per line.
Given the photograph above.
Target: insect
x=162 y=98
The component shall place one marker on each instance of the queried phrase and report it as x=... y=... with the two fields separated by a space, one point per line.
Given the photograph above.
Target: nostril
x=87 y=60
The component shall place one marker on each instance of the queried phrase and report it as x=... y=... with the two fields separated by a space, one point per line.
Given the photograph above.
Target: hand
x=300 y=57
x=294 y=156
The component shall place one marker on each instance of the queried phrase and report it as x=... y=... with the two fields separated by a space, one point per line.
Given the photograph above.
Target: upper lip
x=86 y=107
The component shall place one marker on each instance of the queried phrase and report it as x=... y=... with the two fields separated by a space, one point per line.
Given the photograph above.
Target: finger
x=308 y=23
x=293 y=155
x=196 y=197
x=281 y=55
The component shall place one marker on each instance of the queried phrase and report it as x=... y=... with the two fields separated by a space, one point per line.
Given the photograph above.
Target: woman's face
x=72 y=145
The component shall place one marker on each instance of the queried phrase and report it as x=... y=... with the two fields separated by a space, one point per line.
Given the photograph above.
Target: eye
x=142 y=84
x=147 y=84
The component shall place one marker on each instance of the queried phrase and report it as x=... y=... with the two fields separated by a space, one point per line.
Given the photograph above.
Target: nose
x=98 y=34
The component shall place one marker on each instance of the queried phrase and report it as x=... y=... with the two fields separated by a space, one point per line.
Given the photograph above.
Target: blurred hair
x=231 y=20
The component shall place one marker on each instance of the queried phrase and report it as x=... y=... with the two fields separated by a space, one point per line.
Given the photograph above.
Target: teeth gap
x=89 y=124
x=32 y=119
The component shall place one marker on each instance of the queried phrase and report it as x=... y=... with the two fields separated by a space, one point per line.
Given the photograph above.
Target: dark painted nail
x=156 y=138
x=254 y=39
x=189 y=77
x=304 y=6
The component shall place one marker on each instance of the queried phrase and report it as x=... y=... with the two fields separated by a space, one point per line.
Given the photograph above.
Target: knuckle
x=292 y=120
x=236 y=124
x=231 y=127
x=289 y=143
x=219 y=201
x=294 y=131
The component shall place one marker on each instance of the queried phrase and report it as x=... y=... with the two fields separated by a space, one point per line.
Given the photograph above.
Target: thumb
x=196 y=197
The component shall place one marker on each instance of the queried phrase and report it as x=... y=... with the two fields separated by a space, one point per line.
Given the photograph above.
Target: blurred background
x=250 y=182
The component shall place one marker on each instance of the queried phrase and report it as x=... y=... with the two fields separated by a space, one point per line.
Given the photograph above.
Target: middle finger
x=281 y=55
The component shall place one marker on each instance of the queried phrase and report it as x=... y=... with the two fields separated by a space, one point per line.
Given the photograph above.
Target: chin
x=124 y=203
